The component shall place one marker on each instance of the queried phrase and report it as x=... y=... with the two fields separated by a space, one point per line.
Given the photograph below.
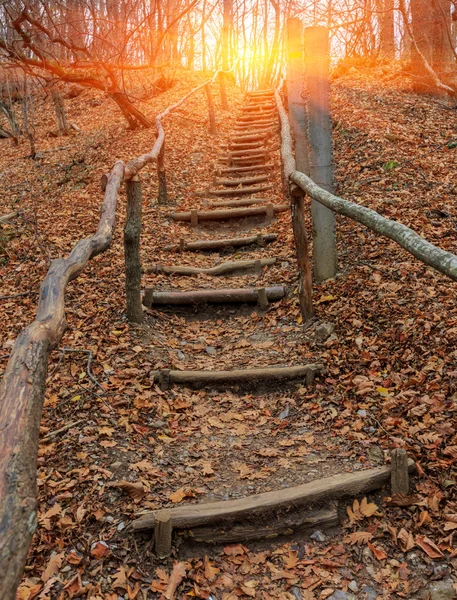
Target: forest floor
x=390 y=375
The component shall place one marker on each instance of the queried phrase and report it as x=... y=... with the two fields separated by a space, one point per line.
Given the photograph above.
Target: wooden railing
x=22 y=388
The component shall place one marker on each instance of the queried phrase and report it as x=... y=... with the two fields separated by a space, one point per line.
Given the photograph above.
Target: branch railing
x=22 y=389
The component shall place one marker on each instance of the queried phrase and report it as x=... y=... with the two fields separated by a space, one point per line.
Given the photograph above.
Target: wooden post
x=298 y=119
x=162 y=176
x=162 y=533
x=400 y=472
x=316 y=44
x=132 y=231
x=211 y=113
x=262 y=297
x=194 y=218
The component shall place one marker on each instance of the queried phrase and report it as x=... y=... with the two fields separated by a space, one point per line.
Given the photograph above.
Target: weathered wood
x=194 y=217
x=337 y=487
x=253 y=137
x=163 y=531
x=240 y=191
x=237 y=146
x=236 y=213
x=222 y=269
x=211 y=111
x=246 y=376
x=289 y=523
x=400 y=473
x=9 y=216
x=305 y=279
x=22 y=395
x=241 y=202
x=222 y=243
x=253 y=125
x=248 y=152
x=257 y=108
x=132 y=232
x=257 y=118
x=441 y=260
x=317 y=79
x=262 y=298
x=162 y=196
x=152 y=297
x=223 y=170
x=245 y=181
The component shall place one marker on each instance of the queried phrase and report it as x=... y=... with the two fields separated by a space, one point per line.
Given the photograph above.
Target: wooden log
x=256 y=94
x=194 y=218
x=163 y=531
x=223 y=243
x=245 y=145
x=237 y=213
x=245 y=376
x=253 y=137
x=222 y=269
x=249 y=169
x=262 y=506
x=241 y=202
x=211 y=111
x=262 y=298
x=132 y=233
x=256 y=118
x=400 y=472
x=257 y=108
x=248 y=152
x=289 y=523
x=9 y=216
x=22 y=395
x=260 y=124
x=259 y=156
x=241 y=191
x=152 y=297
x=162 y=195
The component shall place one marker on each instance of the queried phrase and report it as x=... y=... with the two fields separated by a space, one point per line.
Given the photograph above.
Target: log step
x=256 y=118
x=246 y=181
x=241 y=191
x=240 y=202
x=224 y=170
x=165 y=377
x=238 y=213
x=210 y=245
x=221 y=269
x=232 y=520
x=218 y=296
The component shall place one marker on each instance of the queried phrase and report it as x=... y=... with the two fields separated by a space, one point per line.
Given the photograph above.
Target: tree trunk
x=61 y=115
x=387 y=28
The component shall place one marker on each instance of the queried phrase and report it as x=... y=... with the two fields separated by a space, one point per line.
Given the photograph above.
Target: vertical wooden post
x=316 y=44
x=132 y=231
x=162 y=533
x=211 y=113
x=162 y=176
x=298 y=120
x=400 y=473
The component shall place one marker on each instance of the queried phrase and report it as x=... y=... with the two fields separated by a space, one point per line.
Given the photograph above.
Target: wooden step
x=240 y=202
x=241 y=191
x=236 y=182
x=229 y=295
x=223 y=170
x=212 y=245
x=237 y=213
x=271 y=512
x=307 y=373
x=221 y=269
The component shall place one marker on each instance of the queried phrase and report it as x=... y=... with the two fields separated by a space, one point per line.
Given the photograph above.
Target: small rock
x=116 y=465
x=324 y=331
x=362 y=413
x=367 y=555
x=318 y=536
x=369 y=593
x=376 y=455
x=180 y=355
x=210 y=350
x=297 y=593
x=353 y=586
x=109 y=518
x=442 y=590
x=340 y=595
x=158 y=424
x=121 y=526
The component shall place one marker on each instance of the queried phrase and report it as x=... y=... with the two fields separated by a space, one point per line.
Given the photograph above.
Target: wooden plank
x=241 y=202
x=308 y=494
x=241 y=191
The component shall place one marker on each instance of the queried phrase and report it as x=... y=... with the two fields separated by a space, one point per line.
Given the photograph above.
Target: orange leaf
x=358 y=537
x=178 y=496
x=378 y=553
x=429 y=547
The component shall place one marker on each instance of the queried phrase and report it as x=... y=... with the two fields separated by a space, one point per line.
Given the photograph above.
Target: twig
x=61 y=430
x=17 y=295
x=89 y=362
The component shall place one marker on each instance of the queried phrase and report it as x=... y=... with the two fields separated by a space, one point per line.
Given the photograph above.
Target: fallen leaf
x=428 y=546
x=134 y=489
x=53 y=566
